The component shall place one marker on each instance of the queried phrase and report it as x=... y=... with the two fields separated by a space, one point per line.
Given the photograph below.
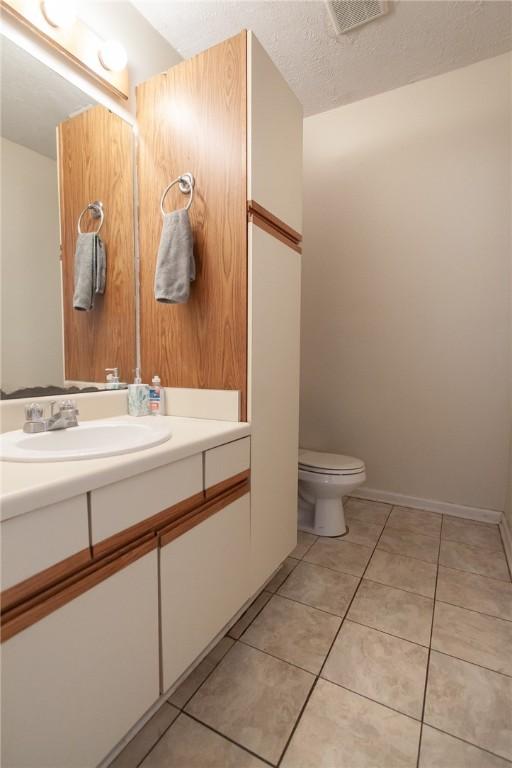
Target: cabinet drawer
x=77 y=680
x=38 y=540
x=117 y=507
x=204 y=581
x=225 y=462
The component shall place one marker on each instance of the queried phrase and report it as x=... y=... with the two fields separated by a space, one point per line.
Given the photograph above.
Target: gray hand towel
x=90 y=270
x=175 y=265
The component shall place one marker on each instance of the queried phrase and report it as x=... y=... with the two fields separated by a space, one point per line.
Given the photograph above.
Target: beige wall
x=406 y=286
x=31 y=322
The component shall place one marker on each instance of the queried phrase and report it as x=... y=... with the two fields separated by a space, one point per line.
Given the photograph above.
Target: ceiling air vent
x=353 y=13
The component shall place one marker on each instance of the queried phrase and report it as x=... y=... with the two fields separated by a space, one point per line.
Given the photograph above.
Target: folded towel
x=90 y=270
x=175 y=265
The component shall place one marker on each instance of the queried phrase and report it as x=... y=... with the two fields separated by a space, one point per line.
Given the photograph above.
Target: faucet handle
x=33 y=412
x=53 y=403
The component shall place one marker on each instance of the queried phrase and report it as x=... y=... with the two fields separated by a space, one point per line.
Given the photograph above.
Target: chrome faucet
x=64 y=418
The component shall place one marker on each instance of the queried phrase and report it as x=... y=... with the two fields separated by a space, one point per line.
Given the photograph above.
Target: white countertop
x=29 y=486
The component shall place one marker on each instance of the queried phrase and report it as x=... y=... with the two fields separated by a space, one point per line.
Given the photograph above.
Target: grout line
x=473 y=573
x=470 y=743
x=330 y=648
x=299 y=717
x=473 y=663
x=314 y=607
x=428 y=657
x=158 y=739
x=254 y=617
x=278 y=658
x=390 y=634
x=402 y=589
x=227 y=738
x=374 y=701
x=473 y=610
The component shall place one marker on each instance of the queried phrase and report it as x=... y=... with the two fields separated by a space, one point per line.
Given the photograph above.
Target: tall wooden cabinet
x=228 y=117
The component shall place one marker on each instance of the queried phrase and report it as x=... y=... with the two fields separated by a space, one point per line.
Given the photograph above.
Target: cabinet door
x=274 y=345
x=76 y=681
x=204 y=582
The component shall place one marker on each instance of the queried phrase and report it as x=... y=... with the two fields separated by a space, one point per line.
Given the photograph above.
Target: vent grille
x=349 y=14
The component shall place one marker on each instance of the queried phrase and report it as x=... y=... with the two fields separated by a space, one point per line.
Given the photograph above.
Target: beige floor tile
x=363 y=533
x=340 y=729
x=478 y=593
x=188 y=744
x=190 y=685
x=304 y=542
x=243 y=622
x=400 y=613
x=438 y=750
x=339 y=555
x=471 y=703
x=220 y=650
x=374 y=512
x=147 y=737
x=411 y=544
x=473 y=637
x=282 y=574
x=293 y=632
x=254 y=699
x=382 y=667
x=466 y=557
x=320 y=587
x=403 y=572
x=467 y=532
x=415 y=521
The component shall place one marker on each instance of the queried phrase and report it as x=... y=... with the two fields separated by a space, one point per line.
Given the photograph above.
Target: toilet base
x=324 y=518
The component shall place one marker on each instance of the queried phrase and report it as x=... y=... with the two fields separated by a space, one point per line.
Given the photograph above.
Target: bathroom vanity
x=117 y=574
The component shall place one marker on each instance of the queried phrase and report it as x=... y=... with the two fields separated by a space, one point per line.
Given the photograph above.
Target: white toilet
x=324 y=478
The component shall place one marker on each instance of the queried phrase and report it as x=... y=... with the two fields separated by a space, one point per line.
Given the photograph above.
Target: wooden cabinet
x=228 y=117
x=74 y=682
x=204 y=581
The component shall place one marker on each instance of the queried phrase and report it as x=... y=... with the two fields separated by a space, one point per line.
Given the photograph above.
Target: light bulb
x=112 y=56
x=59 y=13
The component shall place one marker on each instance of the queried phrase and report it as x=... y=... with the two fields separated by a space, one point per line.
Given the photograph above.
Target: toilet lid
x=330 y=461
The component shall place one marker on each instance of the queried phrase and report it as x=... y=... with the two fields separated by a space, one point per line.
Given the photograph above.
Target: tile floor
x=390 y=647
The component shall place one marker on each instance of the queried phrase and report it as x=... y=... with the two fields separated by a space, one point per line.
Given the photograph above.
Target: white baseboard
x=506 y=535
x=430 y=505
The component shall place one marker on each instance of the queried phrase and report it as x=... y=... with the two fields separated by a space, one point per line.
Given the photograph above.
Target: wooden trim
x=198 y=516
x=224 y=485
x=16 y=622
x=258 y=210
x=73 y=42
x=274 y=231
x=44 y=579
x=150 y=524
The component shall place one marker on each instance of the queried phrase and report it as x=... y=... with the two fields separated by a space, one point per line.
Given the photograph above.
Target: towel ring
x=187 y=184
x=96 y=209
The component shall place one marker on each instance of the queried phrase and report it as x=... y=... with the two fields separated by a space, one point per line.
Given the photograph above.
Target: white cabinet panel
x=120 y=505
x=75 y=682
x=226 y=461
x=204 y=582
x=274 y=342
x=35 y=541
x=274 y=142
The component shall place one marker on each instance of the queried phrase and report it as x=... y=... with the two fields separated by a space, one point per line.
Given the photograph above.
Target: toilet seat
x=329 y=463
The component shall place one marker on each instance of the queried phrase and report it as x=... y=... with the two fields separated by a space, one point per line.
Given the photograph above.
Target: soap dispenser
x=138 y=396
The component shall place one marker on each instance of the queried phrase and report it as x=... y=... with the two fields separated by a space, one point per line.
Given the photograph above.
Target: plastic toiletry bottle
x=138 y=396
x=155 y=395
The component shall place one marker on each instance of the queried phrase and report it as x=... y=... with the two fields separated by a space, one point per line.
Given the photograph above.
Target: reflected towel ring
x=96 y=209
x=187 y=183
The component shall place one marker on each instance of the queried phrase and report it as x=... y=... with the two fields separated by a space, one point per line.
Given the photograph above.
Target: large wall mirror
x=61 y=153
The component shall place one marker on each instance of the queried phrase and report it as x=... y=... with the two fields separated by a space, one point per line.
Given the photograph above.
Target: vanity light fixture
x=112 y=56
x=60 y=14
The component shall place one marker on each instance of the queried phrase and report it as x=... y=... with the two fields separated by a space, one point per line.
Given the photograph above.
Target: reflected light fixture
x=112 y=56
x=60 y=14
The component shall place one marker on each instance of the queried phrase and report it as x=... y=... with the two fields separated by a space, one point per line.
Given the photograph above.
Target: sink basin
x=90 y=440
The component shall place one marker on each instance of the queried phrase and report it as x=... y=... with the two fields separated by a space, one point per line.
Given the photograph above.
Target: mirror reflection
x=60 y=153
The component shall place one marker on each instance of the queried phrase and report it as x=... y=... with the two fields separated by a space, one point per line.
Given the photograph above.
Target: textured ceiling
x=417 y=39
x=34 y=100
